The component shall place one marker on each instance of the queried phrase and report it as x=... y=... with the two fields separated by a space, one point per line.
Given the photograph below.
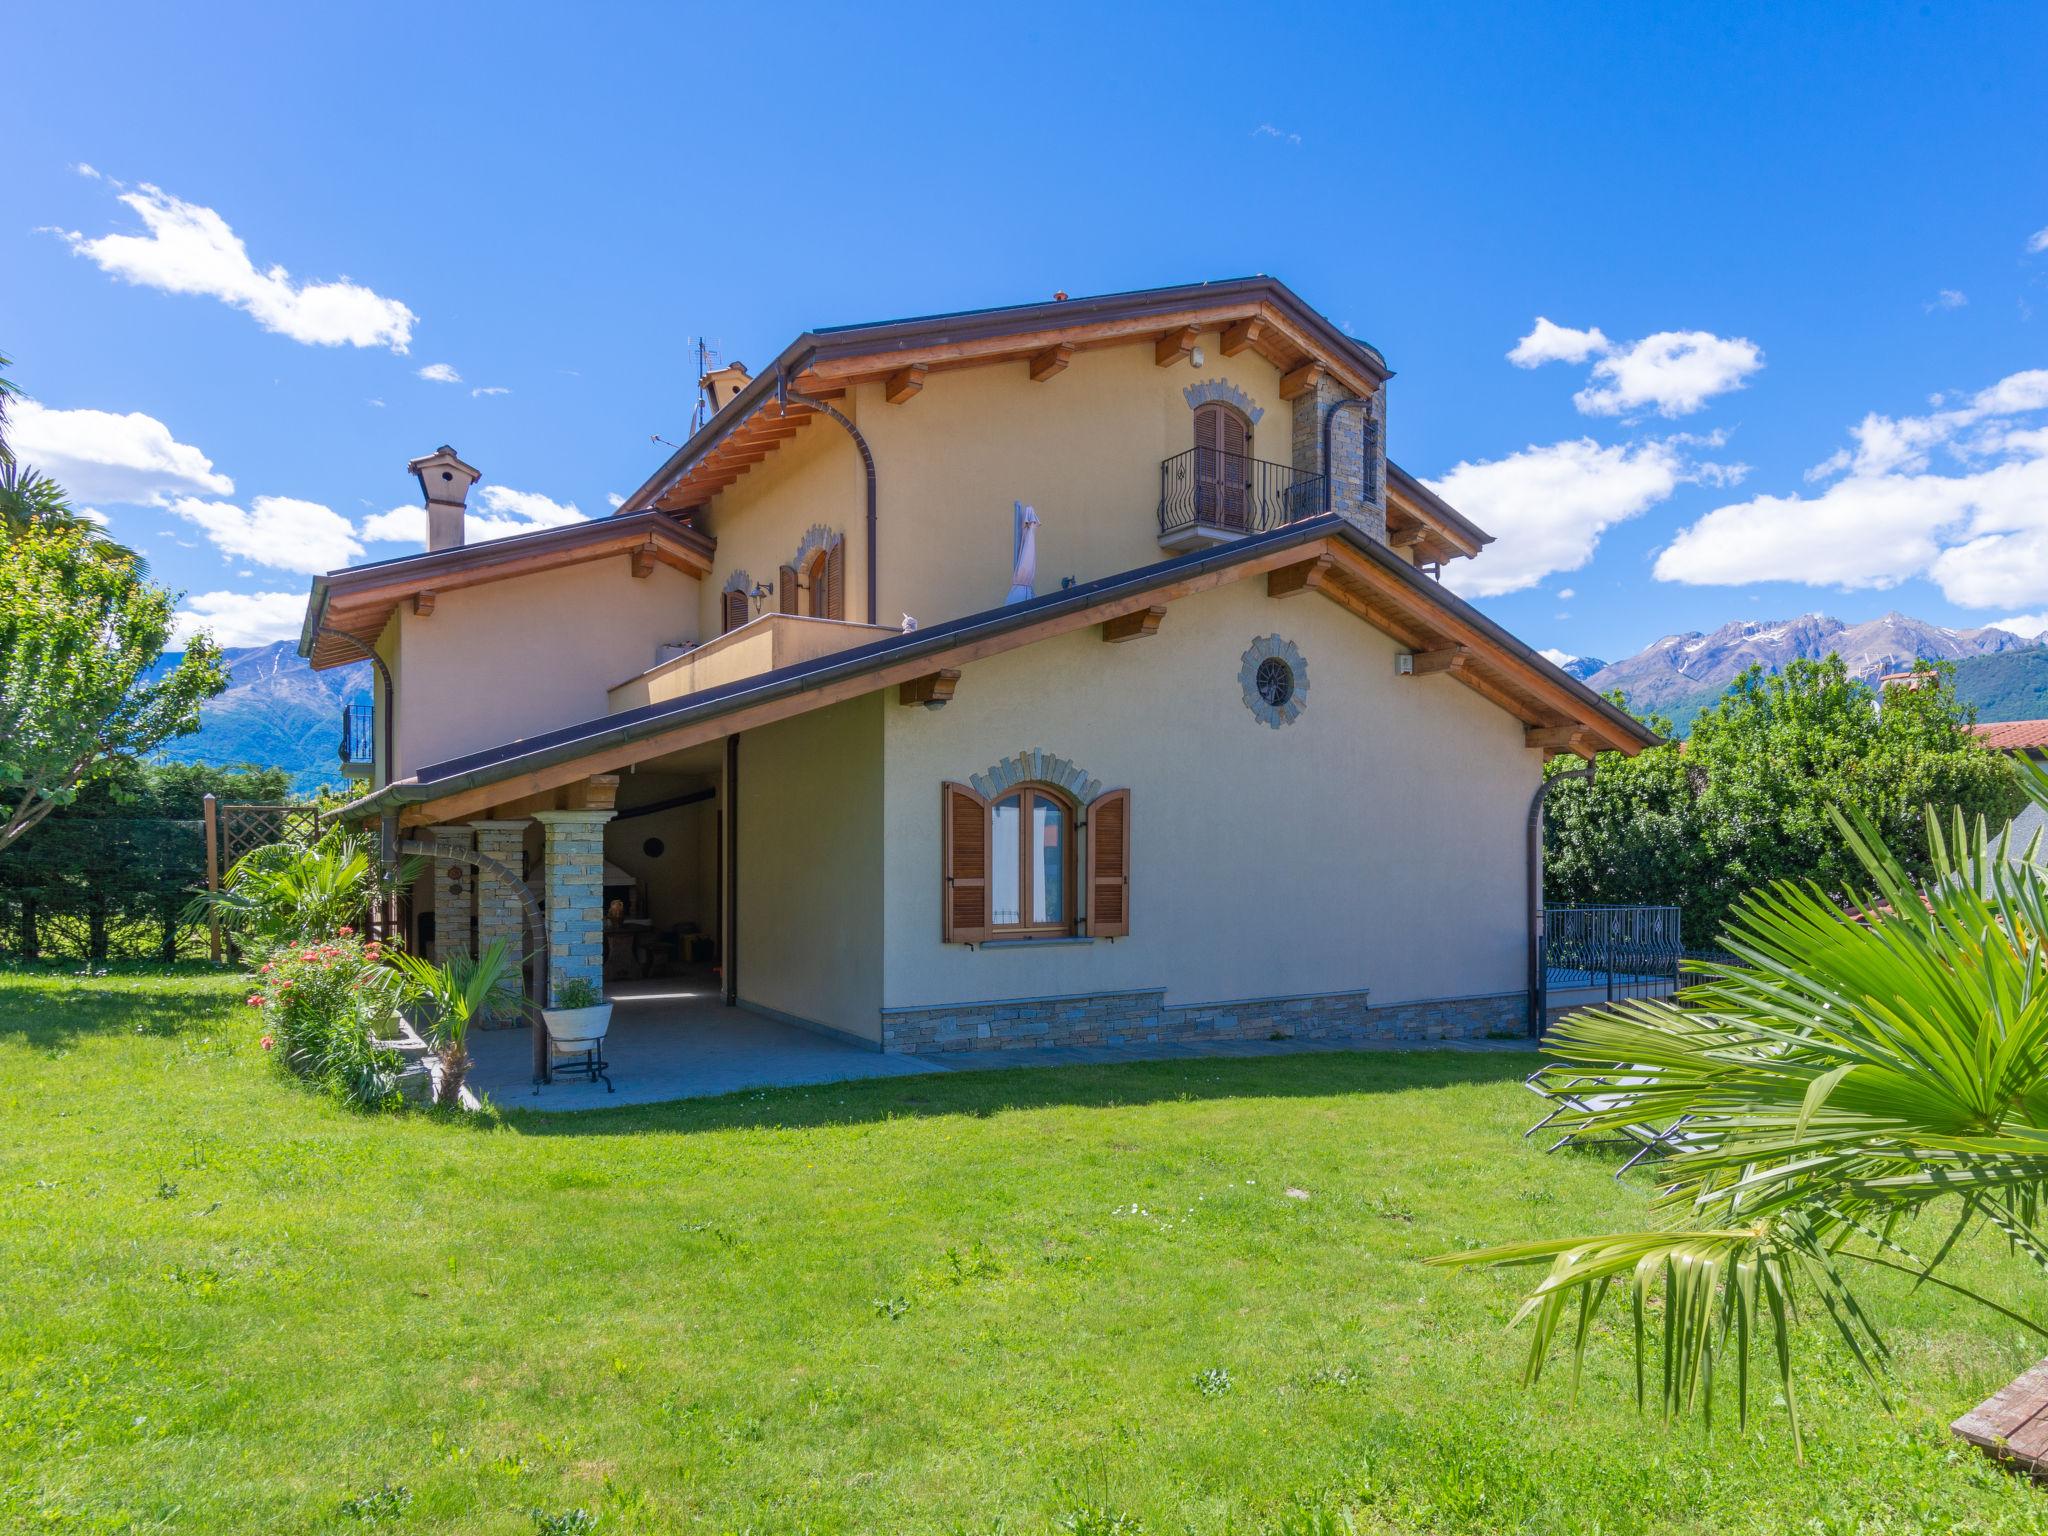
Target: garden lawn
x=1019 y=1301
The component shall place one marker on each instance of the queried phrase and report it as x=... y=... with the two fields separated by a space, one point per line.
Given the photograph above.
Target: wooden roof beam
x=1135 y=625
x=1449 y=658
x=933 y=690
x=1174 y=345
x=1049 y=362
x=902 y=384
x=1304 y=576
x=1243 y=334
x=1301 y=380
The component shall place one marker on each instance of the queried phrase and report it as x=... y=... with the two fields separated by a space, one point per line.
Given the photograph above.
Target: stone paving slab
x=675 y=1041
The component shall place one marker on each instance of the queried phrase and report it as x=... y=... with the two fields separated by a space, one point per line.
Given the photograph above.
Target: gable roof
x=824 y=362
x=1325 y=554
x=347 y=609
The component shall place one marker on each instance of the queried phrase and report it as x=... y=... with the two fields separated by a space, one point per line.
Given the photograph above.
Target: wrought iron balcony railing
x=1227 y=493
x=358 y=738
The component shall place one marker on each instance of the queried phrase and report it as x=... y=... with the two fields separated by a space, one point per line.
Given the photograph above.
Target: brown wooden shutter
x=1109 y=864
x=785 y=589
x=963 y=898
x=735 y=603
x=835 y=580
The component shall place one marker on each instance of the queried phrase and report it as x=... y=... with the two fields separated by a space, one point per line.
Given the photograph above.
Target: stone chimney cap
x=442 y=457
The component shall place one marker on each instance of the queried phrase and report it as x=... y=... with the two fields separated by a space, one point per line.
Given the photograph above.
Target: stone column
x=454 y=891
x=500 y=914
x=1358 y=491
x=574 y=890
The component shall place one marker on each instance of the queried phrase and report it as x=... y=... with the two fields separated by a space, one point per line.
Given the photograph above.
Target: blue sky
x=1796 y=331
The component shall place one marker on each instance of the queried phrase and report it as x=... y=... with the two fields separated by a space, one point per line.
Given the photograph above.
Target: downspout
x=1539 y=1000
x=390 y=709
x=783 y=396
x=1329 y=418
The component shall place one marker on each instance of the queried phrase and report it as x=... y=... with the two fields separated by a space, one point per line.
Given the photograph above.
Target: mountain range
x=277 y=712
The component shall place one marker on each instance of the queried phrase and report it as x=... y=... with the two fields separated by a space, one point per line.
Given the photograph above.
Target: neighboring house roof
x=1259 y=313
x=1324 y=554
x=358 y=601
x=2013 y=735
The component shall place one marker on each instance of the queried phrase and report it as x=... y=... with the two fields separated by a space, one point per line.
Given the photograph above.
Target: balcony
x=358 y=740
x=1208 y=497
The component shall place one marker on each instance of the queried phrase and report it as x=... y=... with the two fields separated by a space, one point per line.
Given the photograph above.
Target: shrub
x=577 y=993
x=324 y=1006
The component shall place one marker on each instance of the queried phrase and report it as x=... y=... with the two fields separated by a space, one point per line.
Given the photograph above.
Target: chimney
x=445 y=480
x=721 y=384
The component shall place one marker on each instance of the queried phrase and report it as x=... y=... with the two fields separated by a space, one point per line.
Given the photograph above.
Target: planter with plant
x=451 y=996
x=580 y=1016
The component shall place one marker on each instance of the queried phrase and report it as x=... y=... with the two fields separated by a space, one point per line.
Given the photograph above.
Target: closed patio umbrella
x=1024 y=572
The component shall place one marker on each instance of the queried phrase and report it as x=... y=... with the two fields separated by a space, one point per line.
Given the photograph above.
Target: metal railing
x=1601 y=953
x=358 y=737
x=1230 y=493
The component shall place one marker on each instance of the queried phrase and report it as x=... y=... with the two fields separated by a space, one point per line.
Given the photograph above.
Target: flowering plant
x=326 y=1003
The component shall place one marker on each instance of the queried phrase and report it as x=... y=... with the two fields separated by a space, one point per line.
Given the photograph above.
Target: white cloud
x=1268 y=131
x=489 y=389
x=1547 y=506
x=2037 y=242
x=191 y=249
x=498 y=513
x=85 y=170
x=1672 y=372
x=1565 y=594
x=240 y=618
x=615 y=499
x=376 y=402
x=1980 y=534
x=441 y=373
x=277 y=531
x=1549 y=343
x=104 y=456
x=2028 y=626
x=1555 y=657
x=1948 y=298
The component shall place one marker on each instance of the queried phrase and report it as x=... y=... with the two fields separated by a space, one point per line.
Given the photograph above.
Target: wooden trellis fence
x=232 y=830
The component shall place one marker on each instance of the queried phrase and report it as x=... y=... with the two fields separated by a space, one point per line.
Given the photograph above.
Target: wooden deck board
x=2012 y=1423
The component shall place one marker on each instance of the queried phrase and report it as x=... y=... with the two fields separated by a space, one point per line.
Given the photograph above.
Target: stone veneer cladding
x=454 y=891
x=499 y=912
x=573 y=872
x=1347 y=452
x=1144 y=1018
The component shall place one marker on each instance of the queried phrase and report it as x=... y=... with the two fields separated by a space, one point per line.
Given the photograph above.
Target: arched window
x=1011 y=864
x=1031 y=862
x=1223 y=465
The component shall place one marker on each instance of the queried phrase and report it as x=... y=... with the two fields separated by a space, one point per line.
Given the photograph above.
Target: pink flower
x=264 y=970
x=268 y=1043
x=347 y=932
x=255 y=999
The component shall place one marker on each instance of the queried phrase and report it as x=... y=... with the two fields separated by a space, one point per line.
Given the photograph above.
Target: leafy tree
x=1864 y=1089
x=81 y=633
x=9 y=393
x=1749 y=797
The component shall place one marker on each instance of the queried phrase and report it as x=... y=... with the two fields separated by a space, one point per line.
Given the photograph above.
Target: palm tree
x=9 y=392
x=457 y=992
x=1856 y=1067
x=284 y=893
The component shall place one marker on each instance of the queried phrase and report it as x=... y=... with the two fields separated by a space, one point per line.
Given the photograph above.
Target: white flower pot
x=578 y=1029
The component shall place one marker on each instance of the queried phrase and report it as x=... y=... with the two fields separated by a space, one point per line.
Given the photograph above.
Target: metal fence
x=1597 y=954
x=1208 y=488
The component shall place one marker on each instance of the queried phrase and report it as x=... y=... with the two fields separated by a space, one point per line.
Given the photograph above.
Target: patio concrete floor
x=676 y=1040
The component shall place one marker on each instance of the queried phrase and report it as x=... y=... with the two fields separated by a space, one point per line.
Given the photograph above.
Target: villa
x=1071 y=672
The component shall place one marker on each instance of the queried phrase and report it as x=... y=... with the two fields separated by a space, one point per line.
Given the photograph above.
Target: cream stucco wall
x=810 y=867
x=1374 y=843
x=1083 y=447
x=513 y=658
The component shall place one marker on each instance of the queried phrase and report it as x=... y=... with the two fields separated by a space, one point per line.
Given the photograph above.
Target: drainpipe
x=783 y=396
x=390 y=709
x=1329 y=419
x=1539 y=1000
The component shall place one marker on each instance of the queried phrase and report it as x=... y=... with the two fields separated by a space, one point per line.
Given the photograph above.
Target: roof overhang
x=1261 y=314
x=347 y=609
x=1419 y=519
x=1324 y=555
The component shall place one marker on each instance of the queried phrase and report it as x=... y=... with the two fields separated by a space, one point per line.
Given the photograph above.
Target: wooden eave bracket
x=1301 y=380
x=903 y=383
x=1304 y=576
x=422 y=604
x=931 y=690
x=1562 y=738
x=1449 y=658
x=643 y=559
x=1133 y=626
x=598 y=792
x=1174 y=345
x=1049 y=362
x=1243 y=334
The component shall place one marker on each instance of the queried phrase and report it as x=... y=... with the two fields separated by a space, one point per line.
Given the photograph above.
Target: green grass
x=971 y=1304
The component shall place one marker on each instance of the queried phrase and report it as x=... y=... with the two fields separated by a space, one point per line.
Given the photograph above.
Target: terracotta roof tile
x=2013 y=735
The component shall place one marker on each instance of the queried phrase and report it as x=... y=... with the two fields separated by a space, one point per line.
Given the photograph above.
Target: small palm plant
x=288 y=892
x=458 y=991
x=1852 y=1072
